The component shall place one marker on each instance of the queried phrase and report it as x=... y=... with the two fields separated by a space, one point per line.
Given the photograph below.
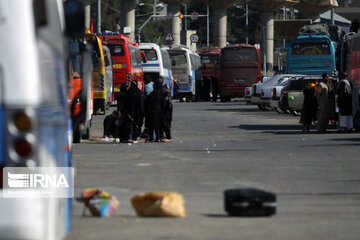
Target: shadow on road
x=273 y=129
x=346 y=139
x=242 y=110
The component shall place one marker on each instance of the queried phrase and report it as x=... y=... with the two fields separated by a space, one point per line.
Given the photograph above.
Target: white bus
x=186 y=68
x=157 y=63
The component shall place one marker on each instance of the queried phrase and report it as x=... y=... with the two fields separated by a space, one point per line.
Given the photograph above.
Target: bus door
x=109 y=74
x=136 y=67
x=166 y=69
x=98 y=77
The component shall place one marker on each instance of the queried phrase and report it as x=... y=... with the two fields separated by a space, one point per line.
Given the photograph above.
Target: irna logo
x=43 y=180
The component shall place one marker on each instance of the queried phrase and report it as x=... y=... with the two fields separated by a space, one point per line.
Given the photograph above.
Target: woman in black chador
x=309 y=108
x=154 y=110
x=166 y=114
x=134 y=110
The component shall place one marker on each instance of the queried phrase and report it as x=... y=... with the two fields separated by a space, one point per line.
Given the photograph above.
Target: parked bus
x=126 y=60
x=157 y=64
x=34 y=114
x=210 y=58
x=311 y=55
x=351 y=64
x=186 y=68
x=98 y=74
x=109 y=75
x=240 y=67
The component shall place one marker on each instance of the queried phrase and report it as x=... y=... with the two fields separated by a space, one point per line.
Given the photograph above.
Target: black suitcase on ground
x=248 y=202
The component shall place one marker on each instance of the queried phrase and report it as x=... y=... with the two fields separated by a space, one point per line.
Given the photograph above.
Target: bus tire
x=225 y=99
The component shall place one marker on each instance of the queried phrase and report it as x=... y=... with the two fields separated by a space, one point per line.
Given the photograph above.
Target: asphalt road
x=218 y=146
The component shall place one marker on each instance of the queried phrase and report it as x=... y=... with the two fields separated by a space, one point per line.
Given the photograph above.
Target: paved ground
x=219 y=146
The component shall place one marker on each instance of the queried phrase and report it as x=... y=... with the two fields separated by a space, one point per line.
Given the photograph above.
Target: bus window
x=107 y=63
x=116 y=50
x=239 y=55
x=166 y=59
x=179 y=58
x=138 y=57
x=310 y=49
x=150 y=54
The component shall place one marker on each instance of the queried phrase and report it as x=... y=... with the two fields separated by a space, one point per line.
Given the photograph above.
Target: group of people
x=153 y=109
x=326 y=102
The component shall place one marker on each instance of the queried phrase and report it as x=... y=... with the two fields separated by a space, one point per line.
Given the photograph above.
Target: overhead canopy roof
x=270 y=4
x=315 y=7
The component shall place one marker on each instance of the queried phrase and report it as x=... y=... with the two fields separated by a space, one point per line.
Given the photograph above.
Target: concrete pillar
x=128 y=17
x=173 y=25
x=219 y=27
x=87 y=16
x=267 y=44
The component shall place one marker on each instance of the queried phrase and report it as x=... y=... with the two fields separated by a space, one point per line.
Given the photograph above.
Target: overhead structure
x=313 y=8
x=173 y=24
x=270 y=5
x=128 y=17
x=220 y=19
x=267 y=8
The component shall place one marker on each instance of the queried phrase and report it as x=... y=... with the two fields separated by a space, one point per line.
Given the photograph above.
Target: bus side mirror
x=173 y=63
x=74 y=18
x=143 y=57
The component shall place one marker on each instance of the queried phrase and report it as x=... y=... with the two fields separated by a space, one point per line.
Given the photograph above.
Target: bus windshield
x=116 y=50
x=235 y=55
x=210 y=59
x=178 y=58
x=310 y=48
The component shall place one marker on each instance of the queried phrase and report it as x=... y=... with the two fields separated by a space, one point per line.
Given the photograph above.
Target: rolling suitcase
x=249 y=202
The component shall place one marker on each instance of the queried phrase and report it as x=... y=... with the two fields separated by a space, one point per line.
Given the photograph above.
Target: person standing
x=154 y=110
x=344 y=101
x=149 y=87
x=309 y=108
x=135 y=110
x=166 y=114
x=325 y=92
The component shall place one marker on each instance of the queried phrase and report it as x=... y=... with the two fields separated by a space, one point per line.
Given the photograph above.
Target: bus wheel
x=225 y=99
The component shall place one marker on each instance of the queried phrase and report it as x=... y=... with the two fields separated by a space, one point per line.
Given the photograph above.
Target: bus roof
x=209 y=51
x=239 y=45
x=115 y=38
x=312 y=36
x=149 y=45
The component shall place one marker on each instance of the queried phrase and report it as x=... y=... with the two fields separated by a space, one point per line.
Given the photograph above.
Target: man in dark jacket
x=344 y=102
x=154 y=110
